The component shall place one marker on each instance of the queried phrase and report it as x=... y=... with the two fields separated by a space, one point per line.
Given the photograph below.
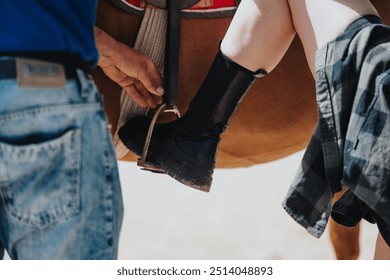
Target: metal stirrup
x=163 y=108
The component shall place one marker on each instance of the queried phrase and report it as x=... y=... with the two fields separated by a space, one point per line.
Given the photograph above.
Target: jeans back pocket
x=40 y=183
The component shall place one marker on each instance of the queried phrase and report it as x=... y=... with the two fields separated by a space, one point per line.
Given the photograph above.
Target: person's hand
x=131 y=69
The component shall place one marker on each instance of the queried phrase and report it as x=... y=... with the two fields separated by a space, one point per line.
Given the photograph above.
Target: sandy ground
x=241 y=217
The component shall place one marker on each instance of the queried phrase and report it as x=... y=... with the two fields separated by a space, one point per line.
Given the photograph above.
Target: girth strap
x=150 y=40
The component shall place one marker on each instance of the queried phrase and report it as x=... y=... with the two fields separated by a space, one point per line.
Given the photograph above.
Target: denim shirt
x=350 y=145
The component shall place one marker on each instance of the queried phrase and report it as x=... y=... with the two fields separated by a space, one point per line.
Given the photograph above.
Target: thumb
x=152 y=81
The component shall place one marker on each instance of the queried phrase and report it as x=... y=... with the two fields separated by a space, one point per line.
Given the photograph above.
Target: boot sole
x=186 y=171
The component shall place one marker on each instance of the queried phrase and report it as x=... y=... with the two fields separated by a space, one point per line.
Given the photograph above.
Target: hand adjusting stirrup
x=171 y=69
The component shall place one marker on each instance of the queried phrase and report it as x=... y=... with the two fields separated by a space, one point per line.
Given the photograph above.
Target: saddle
x=203 y=8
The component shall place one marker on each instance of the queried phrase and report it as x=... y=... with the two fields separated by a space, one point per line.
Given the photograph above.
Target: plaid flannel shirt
x=351 y=143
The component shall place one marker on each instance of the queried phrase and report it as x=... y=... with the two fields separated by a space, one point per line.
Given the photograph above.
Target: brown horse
x=275 y=119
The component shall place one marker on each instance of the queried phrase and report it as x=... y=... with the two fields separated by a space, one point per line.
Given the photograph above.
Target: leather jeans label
x=39 y=74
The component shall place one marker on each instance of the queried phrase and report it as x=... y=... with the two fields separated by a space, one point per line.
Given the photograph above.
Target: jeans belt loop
x=85 y=84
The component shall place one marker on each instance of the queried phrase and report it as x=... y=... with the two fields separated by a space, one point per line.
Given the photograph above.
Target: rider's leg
x=317 y=22
x=258 y=37
x=259 y=34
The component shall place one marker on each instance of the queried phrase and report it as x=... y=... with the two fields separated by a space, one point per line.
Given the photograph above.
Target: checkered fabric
x=351 y=143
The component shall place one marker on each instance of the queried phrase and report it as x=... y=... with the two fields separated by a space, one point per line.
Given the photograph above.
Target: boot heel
x=175 y=162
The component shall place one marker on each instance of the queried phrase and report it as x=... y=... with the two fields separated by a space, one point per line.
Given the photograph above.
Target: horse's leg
x=345 y=240
x=382 y=250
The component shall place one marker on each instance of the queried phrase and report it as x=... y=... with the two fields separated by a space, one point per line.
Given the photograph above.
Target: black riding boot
x=186 y=149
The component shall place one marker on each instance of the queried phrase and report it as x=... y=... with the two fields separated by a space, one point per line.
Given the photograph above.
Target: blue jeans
x=59 y=183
